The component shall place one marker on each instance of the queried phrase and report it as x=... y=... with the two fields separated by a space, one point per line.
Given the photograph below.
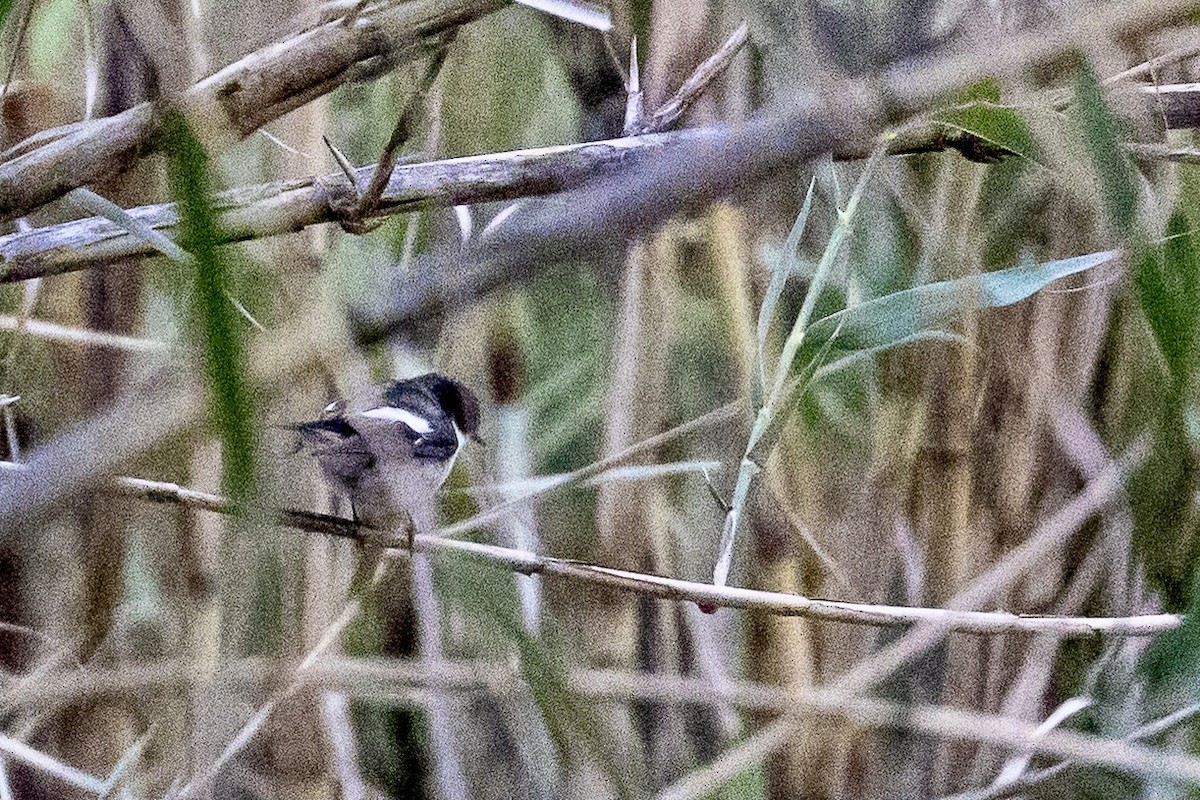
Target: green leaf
x=998 y=125
x=766 y=313
x=1169 y=289
x=896 y=317
x=1113 y=168
x=488 y=594
x=215 y=321
x=985 y=89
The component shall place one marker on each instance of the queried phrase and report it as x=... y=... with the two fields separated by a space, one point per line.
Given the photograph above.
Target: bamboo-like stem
x=777 y=603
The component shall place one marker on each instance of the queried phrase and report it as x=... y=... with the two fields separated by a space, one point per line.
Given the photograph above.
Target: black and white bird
x=391 y=459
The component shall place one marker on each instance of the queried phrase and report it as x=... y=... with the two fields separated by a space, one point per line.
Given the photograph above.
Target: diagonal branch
x=273 y=209
x=400 y=134
x=284 y=207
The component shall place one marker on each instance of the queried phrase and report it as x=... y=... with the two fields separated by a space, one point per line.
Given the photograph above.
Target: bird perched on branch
x=391 y=459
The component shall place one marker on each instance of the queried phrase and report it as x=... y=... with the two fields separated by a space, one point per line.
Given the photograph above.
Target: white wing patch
x=415 y=421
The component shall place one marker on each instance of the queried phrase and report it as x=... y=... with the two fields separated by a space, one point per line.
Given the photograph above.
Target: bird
x=389 y=460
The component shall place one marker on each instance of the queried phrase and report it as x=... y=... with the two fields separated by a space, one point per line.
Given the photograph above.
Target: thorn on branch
x=611 y=49
x=691 y=89
x=712 y=490
x=341 y=199
x=635 y=110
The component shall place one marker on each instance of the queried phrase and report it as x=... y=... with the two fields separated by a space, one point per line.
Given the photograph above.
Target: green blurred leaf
x=1169 y=289
x=985 y=89
x=488 y=593
x=1101 y=131
x=998 y=125
x=897 y=317
x=216 y=323
x=1166 y=536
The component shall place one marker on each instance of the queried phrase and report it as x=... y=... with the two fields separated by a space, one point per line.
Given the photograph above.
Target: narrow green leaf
x=1100 y=132
x=896 y=317
x=820 y=277
x=216 y=325
x=859 y=356
x=5 y=7
x=998 y=125
x=770 y=415
x=1169 y=290
x=488 y=594
x=779 y=277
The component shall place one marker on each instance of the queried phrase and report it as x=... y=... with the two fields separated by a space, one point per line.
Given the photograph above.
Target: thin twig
x=400 y=134
x=1036 y=778
x=691 y=89
x=343 y=163
x=299 y=680
x=777 y=603
x=64 y=333
x=1153 y=65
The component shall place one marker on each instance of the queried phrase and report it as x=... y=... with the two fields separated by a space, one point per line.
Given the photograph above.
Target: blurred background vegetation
x=155 y=649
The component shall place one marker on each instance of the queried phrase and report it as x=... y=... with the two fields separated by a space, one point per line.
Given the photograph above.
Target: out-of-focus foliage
x=930 y=357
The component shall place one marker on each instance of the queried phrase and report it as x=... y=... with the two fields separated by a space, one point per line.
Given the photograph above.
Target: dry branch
x=242 y=97
x=1180 y=102
x=274 y=208
x=271 y=209
x=406 y=682
x=778 y=603
x=677 y=105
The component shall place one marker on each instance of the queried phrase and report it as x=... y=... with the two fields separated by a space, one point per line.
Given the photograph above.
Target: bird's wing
x=338 y=448
x=426 y=436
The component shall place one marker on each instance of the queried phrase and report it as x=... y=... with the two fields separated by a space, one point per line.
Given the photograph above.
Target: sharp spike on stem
x=634 y=79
